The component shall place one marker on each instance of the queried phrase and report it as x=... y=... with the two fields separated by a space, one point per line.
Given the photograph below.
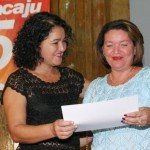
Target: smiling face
x=118 y=49
x=53 y=47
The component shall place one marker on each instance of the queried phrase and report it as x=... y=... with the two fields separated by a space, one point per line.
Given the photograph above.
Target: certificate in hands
x=100 y=115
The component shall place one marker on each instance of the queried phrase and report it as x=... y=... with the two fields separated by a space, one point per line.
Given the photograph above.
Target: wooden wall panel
x=98 y=20
x=121 y=8
x=79 y=34
x=88 y=39
x=117 y=9
x=54 y=6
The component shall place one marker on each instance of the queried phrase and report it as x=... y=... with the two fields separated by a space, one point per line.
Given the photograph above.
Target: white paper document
x=100 y=115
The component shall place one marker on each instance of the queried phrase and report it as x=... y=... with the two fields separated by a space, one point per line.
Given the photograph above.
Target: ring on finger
x=139 y=122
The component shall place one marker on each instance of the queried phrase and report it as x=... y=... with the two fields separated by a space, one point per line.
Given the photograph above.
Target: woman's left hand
x=138 y=118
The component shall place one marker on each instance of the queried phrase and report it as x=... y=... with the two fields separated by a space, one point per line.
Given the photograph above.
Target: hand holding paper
x=100 y=115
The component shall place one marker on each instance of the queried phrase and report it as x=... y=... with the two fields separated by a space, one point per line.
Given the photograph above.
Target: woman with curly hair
x=33 y=94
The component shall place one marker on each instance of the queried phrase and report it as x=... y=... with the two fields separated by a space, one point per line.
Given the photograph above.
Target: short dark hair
x=26 y=50
x=134 y=34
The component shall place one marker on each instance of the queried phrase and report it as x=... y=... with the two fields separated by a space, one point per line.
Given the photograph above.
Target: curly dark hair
x=26 y=50
x=134 y=34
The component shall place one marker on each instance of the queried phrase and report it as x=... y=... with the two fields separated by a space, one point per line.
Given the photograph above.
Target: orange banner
x=12 y=15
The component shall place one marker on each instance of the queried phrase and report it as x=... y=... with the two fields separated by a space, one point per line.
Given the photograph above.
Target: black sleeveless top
x=44 y=101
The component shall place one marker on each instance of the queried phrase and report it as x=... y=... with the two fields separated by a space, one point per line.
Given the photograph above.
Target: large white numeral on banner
x=6 y=43
x=7 y=51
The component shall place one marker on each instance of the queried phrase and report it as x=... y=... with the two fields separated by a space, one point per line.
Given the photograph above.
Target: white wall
x=140 y=15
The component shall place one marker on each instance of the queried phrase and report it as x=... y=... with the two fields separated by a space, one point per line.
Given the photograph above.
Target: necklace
x=125 y=80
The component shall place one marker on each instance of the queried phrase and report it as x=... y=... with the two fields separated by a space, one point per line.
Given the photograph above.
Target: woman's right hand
x=63 y=129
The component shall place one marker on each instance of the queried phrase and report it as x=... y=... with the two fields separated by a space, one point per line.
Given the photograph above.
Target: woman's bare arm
x=15 y=110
